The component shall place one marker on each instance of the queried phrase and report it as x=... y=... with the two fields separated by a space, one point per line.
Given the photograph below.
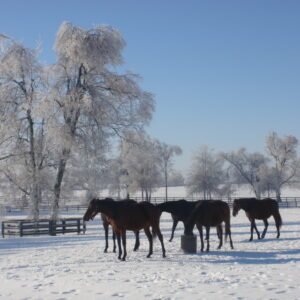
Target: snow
x=75 y=267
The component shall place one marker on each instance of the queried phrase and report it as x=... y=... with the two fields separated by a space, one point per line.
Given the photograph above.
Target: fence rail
x=285 y=202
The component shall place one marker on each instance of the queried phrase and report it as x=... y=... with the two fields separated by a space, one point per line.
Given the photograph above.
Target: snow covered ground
x=75 y=267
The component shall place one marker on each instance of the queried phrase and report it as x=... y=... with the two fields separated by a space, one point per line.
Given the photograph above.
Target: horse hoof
x=123 y=259
x=105 y=251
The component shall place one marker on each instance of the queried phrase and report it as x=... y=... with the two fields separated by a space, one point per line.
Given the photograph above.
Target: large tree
x=165 y=154
x=286 y=165
x=139 y=159
x=206 y=174
x=22 y=129
x=251 y=167
x=89 y=99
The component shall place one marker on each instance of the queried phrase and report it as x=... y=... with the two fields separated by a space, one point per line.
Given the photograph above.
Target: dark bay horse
x=106 y=224
x=128 y=216
x=180 y=210
x=258 y=209
x=209 y=213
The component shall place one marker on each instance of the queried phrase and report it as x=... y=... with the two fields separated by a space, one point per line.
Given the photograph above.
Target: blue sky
x=224 y=73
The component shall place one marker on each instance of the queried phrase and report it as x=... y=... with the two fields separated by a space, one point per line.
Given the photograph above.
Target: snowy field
x=75 y=267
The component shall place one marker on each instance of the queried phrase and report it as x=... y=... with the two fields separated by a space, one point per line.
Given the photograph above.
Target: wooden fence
x=43 y=226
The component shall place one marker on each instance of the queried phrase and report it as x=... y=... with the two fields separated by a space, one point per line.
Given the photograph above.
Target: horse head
x=235 y=207
x=91 y=211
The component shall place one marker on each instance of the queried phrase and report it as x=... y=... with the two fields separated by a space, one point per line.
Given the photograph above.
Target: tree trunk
x=34 y=201
x=34 y=195
x=166 y=185
x=57 y=186
x=278 y=195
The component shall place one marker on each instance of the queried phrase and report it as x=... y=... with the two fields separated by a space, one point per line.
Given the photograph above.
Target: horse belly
x=260 y=215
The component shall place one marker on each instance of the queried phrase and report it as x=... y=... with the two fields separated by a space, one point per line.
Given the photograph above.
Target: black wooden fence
x=285 y=202
x=26 y=227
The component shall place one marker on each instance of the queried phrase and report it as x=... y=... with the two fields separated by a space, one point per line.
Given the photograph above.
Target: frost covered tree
x=89 y=99
x=206 y=174
x=139 y=156
x=22 y=129
x=250 y=167
x=86 y=172
x=176 y=178
x=118 y=178
x=286 y=165
x=166 y=154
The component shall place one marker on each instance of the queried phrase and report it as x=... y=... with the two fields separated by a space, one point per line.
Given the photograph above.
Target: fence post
x=63 y=226
x=21 y=228
x=3 y=229
x=52 y=229
x=78 y=226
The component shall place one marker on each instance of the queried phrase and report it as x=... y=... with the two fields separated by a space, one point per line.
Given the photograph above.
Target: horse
x=258 y=209
x=124 y=215
x=209 y=213
x=106 y=224
x=180 y=210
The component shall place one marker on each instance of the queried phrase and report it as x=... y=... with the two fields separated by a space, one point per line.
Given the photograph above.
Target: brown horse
x=106 y=224
x=258 y=209
x=209 y=213
x=128 y=216
x=180 y=210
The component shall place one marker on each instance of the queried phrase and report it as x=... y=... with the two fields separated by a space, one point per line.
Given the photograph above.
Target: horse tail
x=227 y=222
x=277 y=216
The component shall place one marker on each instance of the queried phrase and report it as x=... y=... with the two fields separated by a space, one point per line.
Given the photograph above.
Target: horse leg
x=123 y=234
x=175 y=222
x=207 y=238
x=105 y=226
x=265 y=229
x=257 y=232
x=228 y=233
x=253 y=226
x=150 y=239
x=220 y=235
x=200 y=229
x=119 y=244
x=160 y=237
x=114 y=240
x=219 y=231
x=137 y=240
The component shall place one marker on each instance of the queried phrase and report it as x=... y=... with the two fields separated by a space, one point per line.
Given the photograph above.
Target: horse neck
x=107 y=207
x=191 y=220
x=170 y=207
x=245 y=204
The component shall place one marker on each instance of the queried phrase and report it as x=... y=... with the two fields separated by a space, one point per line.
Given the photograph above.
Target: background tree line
x=60 y=124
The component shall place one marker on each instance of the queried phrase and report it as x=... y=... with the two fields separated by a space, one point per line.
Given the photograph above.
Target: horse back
x=264 y=208
x=135 y=216
x=212 y=212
